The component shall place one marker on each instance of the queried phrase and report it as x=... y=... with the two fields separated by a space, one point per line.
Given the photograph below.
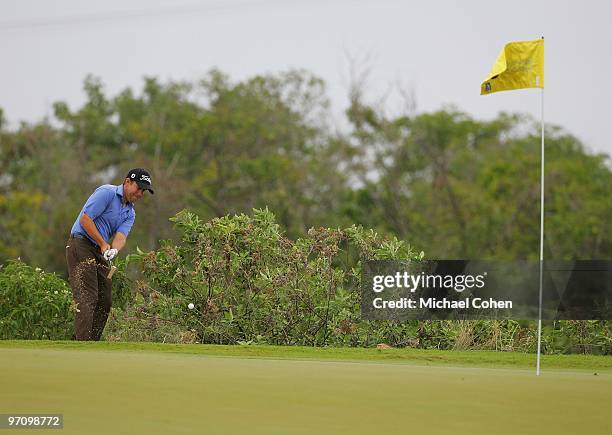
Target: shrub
x=34 y=304
x=577 y=336
x=251 y=284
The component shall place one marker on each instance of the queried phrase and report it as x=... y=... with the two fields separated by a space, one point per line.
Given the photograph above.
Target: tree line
x=448 y=184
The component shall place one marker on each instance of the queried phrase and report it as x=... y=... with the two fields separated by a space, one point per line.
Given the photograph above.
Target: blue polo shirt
x=106 y=209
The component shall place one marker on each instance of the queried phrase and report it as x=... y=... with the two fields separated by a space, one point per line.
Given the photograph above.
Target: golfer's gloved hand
x=109 y=254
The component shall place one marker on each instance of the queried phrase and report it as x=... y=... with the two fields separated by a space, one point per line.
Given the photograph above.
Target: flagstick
x=541 y=240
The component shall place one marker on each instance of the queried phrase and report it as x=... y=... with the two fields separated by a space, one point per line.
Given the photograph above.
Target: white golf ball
x=191 y=306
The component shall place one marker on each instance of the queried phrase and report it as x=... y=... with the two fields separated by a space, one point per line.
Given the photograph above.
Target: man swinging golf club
x=108 y=212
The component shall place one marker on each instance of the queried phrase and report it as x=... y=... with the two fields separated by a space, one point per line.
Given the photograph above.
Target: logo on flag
x=520 y=65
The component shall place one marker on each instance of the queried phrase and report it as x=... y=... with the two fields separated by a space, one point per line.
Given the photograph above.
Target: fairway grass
x=131 y=388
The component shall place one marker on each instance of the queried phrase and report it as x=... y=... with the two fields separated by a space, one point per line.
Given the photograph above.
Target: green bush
x=251 y=284
x=577 y=336
x=34 y=304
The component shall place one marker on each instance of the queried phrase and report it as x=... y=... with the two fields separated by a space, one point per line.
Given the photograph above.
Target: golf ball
x=191 y=306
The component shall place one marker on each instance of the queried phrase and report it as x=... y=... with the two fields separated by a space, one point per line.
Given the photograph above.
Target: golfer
x=107 y=214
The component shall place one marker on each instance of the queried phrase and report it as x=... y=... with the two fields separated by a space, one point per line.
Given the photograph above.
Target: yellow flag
x=519 y=65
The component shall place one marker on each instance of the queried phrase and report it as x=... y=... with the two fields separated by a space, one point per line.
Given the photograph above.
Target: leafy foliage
x=249 y=283
x=34 y=304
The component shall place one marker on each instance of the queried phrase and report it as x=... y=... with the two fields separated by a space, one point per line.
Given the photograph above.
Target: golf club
x=112 y=269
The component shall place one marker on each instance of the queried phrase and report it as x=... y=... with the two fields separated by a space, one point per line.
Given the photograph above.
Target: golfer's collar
x=119 y=191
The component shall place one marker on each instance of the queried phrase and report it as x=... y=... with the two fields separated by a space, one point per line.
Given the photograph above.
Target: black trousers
x=91 y=289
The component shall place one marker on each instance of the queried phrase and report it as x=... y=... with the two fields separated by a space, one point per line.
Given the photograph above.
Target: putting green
x=128 y=392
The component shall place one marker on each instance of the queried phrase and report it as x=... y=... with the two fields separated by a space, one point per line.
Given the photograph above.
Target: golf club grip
x=111 y=272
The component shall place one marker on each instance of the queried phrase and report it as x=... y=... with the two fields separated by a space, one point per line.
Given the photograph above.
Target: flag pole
x=541 y=235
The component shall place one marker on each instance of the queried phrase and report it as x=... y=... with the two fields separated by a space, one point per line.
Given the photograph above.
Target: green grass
x=407 y=356
x=149 y=388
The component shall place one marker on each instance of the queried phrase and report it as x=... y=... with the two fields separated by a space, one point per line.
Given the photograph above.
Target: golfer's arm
x=119 y=241
x=88 y=224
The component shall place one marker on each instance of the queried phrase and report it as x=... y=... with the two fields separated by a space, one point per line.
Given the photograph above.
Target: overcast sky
x=439 y=50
